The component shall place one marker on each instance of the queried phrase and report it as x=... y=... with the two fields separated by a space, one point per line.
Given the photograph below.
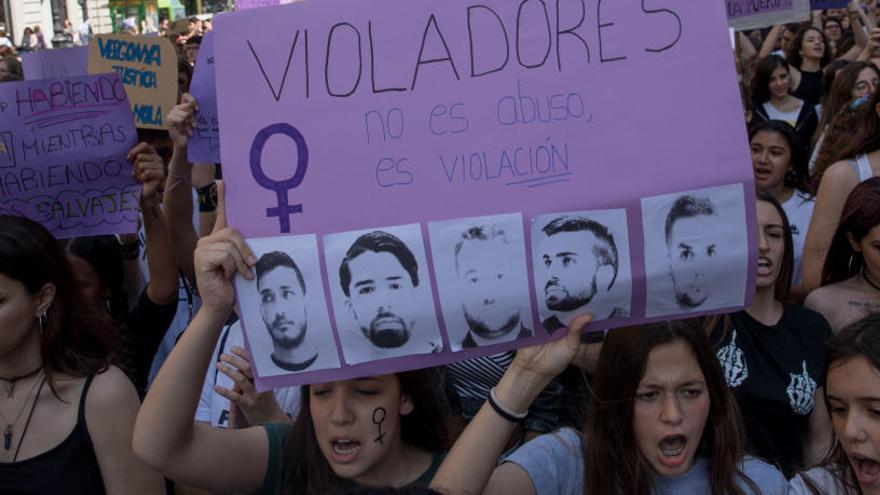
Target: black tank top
x=70 y=467
x=810 y=89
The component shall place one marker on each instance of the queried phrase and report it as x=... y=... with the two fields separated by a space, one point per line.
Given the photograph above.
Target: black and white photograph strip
x=482 y=278
x=582 y=264
x=381 y=292
x=284 y=309
x=696 y=255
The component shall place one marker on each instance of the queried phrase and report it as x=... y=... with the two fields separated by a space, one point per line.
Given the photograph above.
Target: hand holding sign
x=255 y=407
x=149 y=170
x=218 y=258
x=181 y=120
x=548 y=360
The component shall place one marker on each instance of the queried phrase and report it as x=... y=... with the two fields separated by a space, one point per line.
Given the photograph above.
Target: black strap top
x=70 y=467
x=810 y=89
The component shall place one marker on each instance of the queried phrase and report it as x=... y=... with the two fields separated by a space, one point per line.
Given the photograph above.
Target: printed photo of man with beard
x=384 y=296
x=485 y=265
x=578 y=267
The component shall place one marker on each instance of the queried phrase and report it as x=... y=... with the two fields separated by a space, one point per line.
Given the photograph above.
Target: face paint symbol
x=378 y=419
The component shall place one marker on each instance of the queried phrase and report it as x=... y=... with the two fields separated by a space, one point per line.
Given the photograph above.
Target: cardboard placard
x=147 y=66
x=63 y=148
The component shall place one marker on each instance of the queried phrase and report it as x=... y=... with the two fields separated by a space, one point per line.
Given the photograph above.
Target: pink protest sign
x=425 y=182
x=63 y=147
x=204 y=144
x=59 y=62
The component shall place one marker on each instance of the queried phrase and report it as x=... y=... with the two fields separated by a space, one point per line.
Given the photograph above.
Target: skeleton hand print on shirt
x=733 y=362
x=802 y=392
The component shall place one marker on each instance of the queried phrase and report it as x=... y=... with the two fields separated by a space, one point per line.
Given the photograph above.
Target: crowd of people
x=123 y=369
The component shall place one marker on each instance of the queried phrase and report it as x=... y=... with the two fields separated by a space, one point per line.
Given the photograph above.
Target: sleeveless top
x=862 y=167
x=70 y=467
x=810 y=89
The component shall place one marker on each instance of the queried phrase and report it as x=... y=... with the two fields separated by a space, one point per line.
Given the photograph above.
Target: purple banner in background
x=743 y=8
x=828 y=4
x=63 y=147
x=253 y=4
x=58 y=62
x=204 y=144
x=421 y=179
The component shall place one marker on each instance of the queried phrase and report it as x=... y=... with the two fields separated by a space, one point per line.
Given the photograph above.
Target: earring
x=42 y=321
x=849 y=266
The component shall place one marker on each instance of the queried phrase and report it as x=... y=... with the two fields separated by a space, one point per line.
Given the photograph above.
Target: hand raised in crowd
x=873 y=41
x=247 y=406
x=218 y=257
x=550 y=359
x=182 y=120
x=149 y=170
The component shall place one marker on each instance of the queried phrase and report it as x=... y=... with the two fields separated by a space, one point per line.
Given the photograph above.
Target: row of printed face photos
x=379 y=283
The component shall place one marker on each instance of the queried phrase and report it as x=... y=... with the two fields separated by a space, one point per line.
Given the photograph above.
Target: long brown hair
x=309 y=473
x=612 y=461
x=859 y=133
x=860 y=339
x=861 y=213
x=76 y=338
x=840 y=93
x=783 y=281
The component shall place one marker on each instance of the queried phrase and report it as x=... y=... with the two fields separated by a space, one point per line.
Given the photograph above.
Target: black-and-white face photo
x=284 y=310
x=696 y=254
x=482 y=278
x=582 y=264
x=381 y=292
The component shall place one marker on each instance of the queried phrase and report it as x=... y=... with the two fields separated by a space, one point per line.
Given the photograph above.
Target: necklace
x=10 y=382
x=7 y=431
x=868 y=280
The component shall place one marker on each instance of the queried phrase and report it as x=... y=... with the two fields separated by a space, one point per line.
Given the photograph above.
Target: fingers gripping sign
x=181 y=120
x=218 y=258
x=251 y=406
x=149 y=170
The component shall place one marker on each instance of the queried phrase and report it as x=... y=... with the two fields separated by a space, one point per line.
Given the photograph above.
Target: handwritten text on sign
x=348 y=116
x=147 y=66
x=63 y=146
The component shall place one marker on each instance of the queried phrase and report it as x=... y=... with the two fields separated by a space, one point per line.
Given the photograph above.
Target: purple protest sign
x=204 y=144
x=59 y=62
x=828 y=4
x=63 y=147
x=425 y=182
x=753 y=14
x=253 y=4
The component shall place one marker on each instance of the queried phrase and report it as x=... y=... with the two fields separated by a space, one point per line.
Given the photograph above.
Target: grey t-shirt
x=823 y=480
x=556 y=467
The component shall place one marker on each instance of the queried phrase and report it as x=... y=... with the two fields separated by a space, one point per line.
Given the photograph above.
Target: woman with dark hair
x=66 y=414
x=771 y=90
x=772 y=355
x=662 y=421
x=851 y=275
x=856 y=80
x=780 y=167
x=808 y=54
x=97 y=264
x=852 y=466
x=374 y=431
x=856 y=160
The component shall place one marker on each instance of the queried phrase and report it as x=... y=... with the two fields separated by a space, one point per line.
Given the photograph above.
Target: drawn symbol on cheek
x=378 y=419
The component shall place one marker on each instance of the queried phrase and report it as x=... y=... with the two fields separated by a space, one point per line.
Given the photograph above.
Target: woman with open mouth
x=780 y=167
x=851 y=275
x=662 y=421
x=380 y=431
x=852 y=466
x=773 y=354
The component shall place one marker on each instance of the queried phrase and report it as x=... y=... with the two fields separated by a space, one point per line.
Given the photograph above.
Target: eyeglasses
x=867 y=86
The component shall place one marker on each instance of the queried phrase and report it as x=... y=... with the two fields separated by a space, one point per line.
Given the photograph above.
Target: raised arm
x=161 y=261
x=836 y=184
x=178 y=187
x=470 y=465
x=165 y=435
x=770 y=41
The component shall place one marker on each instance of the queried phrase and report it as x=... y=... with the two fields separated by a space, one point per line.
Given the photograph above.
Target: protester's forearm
x=179 y=211
x=161 y=260
x=469 y=465
x=770 y=41
x=165 y=421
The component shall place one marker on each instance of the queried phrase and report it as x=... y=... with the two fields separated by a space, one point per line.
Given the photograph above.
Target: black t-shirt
x=141 y=334
x=774 y=373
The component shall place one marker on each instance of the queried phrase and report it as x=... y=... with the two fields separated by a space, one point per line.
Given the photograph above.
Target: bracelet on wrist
x=503 y=411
